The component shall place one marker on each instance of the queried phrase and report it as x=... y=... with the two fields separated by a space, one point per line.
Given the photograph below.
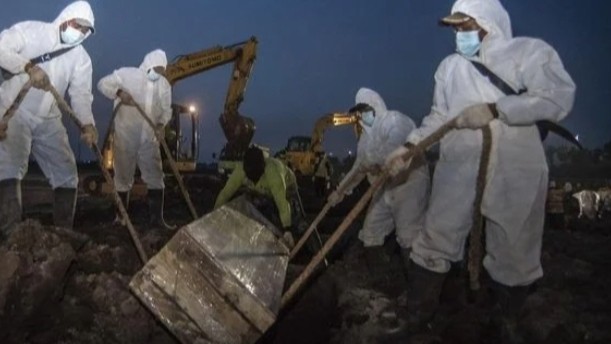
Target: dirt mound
x=59 y=286
x=568 y=305
x=34 y=264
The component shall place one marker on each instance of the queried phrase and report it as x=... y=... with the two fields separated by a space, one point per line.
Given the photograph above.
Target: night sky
x=314 y=55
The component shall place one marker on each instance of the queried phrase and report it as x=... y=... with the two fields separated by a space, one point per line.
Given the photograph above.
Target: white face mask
x=367 y=118
x=468 y=42
x=152 y=75
x=72 y=36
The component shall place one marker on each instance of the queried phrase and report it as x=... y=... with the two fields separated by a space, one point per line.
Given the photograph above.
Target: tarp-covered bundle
x=219 y=279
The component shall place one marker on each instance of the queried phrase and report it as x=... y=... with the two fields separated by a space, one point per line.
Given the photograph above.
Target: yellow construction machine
x=301 y=152
x=238 y=129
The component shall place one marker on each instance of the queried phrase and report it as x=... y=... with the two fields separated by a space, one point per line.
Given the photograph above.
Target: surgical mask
x=72 y=36
x=152 y=75
x=367 y=118
x=468 y=43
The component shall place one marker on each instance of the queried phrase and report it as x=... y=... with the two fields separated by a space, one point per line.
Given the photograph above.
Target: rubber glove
x=476 y=116
x=394 y=161
x=89 y=135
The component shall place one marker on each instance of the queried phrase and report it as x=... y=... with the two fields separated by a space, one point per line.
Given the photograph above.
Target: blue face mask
x=367 y=118
x=468 y=43
x=72 y=36
x=152 y=75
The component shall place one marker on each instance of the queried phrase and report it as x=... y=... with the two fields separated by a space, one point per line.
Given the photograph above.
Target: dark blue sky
x=314 y=55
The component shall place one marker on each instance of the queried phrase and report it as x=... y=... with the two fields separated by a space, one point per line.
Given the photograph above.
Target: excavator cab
x=298 y=144
x=298 y=155
x=182 y=137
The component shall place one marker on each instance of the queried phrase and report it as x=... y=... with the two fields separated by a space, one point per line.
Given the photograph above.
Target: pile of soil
x=568 y=305
x=59 y=286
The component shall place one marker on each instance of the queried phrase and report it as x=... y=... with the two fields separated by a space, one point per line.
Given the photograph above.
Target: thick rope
x=475 y=239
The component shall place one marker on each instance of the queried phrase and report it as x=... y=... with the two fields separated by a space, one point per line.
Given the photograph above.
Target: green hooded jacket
x=275 y=182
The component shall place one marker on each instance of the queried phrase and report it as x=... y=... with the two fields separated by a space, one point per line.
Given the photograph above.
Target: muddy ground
x=58 y=286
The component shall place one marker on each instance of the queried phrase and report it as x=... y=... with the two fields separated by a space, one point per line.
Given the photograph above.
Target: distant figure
x=135 y=142
x=555 y=207
x=568 y=188
x=322 y=174
x=47 y=54
x=531 y=84
x=400 y=204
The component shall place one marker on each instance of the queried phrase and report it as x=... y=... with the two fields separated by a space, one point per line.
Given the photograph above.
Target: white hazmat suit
x=37 y=126
x=135 y=141
x=514 y=198
x=399 y=206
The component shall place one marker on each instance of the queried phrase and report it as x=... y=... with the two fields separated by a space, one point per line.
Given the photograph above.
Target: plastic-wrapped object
x=219 y=279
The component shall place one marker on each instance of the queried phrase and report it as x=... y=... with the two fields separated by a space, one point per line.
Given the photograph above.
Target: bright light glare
x=192 y=108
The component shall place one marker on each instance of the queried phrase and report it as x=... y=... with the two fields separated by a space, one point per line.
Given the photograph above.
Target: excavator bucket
x=219 y=279
x=239 y=131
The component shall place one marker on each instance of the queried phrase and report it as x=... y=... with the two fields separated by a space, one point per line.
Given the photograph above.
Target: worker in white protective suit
x=514 y=196
x=48 y=54
x=400 y=204
x=135 y=141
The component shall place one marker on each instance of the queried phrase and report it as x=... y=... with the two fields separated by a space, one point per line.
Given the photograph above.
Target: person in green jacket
x=268 y=177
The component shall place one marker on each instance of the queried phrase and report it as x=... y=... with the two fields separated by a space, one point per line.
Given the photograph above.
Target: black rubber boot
x=405 y=252
x=378 y=267
x=508 y=303
x=124 y=196
x=423 y=291
x=155 y=203
x=64 y=205
x=376 y=257
x=454 y=293
x=10 y=206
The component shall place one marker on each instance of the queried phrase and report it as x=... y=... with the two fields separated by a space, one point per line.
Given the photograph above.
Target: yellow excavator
x=238 y=129
x=301 y=152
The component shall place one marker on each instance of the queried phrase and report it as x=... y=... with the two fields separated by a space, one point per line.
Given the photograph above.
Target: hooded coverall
x=135 y=141
x=399 y=206
x=514 y=197
x=37 y=125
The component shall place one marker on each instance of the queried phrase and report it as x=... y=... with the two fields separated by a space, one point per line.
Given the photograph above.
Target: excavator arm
x=238 y=129
x=331 y=120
